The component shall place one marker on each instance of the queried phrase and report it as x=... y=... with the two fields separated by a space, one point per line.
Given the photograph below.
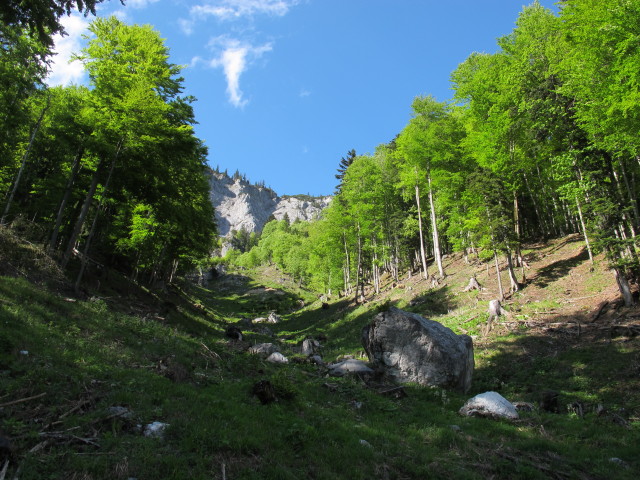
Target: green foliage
x=114 y=169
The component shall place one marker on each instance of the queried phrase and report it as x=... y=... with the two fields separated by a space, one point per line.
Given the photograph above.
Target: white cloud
x=139 y=3
x=304 y=93
x=232 y=9
x=62 y=71
x=233 y=57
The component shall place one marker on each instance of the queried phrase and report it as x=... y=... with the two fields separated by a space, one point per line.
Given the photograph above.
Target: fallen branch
x=603 y=305
x=4 y=470
x=21 y=400
x=61 y=436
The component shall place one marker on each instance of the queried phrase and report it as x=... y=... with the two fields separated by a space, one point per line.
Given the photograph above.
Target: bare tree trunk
x=623 y=285
x=65 y=199
x=347 y=266
x=359 y=267
x=87 y=244
x=584 y=230
x=423 y=257
x=495 y=257
x=88 y=199
x=512 y=275
x=24 y=162
x=434 y=228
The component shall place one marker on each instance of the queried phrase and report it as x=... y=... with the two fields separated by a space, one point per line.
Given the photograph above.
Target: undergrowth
x=66 y=363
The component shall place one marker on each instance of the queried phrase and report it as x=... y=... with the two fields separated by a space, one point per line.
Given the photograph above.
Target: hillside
x=81 y=377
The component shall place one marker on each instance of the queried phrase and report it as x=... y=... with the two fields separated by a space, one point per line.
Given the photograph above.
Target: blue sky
x=286 y=87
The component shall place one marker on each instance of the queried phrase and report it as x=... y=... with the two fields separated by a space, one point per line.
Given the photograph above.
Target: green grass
x=87 y=356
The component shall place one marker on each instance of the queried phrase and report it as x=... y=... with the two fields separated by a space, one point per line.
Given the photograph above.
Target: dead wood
x=64 y=437
x=603 y=305
x=3 y=472
x=473 y=285
x=21 y=400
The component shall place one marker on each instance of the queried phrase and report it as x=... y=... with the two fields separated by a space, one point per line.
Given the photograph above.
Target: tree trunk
x=87 y=244
x=512 y=275
x=495 y=257
x=434 y=226
x=584 y=230
x=81 y=218
x=347 y=265
x=24 y=162
x=623 y=285
x=65 y=199
x=423 y=257
x=359 y=266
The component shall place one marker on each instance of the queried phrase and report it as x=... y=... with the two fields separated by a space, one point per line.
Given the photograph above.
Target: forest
x=539 y=141
x=109 y=174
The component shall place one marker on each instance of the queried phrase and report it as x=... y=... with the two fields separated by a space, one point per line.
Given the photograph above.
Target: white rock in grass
x=262 y=349
x=349 y=366
x=155 y=430
x=489 y=404
x=277 y=357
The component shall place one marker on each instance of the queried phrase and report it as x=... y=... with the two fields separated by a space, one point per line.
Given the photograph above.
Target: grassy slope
x=170 y=362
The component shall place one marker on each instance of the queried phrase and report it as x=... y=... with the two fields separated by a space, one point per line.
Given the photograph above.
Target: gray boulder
x=489 y=404
x=309 y=346
x=410 y=348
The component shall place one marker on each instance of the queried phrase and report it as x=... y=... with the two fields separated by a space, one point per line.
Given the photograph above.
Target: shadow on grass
x=559 y=269
x=436 y=301
x=590 y=369
x=238 y=296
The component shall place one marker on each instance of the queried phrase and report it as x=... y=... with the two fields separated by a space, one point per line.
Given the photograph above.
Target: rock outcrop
x=241 y=205
x=410 y=348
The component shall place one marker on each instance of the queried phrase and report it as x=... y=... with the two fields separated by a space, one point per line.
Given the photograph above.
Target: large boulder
x=410 y=348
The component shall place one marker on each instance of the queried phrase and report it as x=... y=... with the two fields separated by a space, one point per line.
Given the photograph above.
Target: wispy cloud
x=228 y=10
x=63 y=71
x=304 y=93
x=139 y=3
x=231 y=9
x=233 y=56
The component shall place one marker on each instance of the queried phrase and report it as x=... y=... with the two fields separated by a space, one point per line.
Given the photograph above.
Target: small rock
x=455 y=428
x=273 y=318
x=349 y=366
x=317 y=359
x=364 y=443
x=119 y=411
x=155 y=430
x=491 y=405
x=619 y=462
x=523 y=406
x=24 y=352
x=262 y=349
x=233 y=332
x=277 y=357
x=259 y=320
x=309 y=346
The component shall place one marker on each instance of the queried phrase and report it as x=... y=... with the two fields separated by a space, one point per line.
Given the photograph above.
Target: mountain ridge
x=241 y=205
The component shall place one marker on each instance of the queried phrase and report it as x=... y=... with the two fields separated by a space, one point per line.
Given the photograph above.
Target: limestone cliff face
x=241 y=205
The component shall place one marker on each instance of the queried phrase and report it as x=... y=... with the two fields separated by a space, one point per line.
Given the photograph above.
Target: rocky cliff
x=242 y=205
